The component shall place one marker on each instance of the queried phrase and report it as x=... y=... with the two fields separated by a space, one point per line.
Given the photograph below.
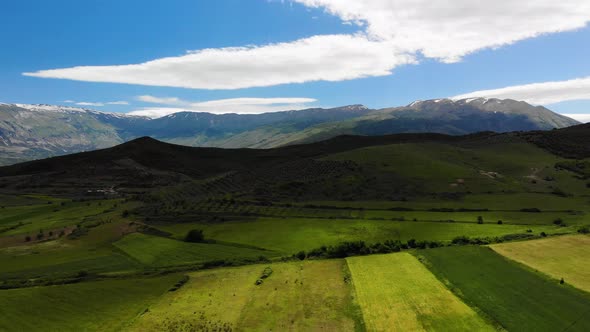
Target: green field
x=291 y=235
x=435 y=167
x=511 y=201
x=159 y=251
x=516 y=298
x=92 y=252
x=397 y=293
x=559 y=257
x=30 y=219
x=307 y=296
x=91 y=306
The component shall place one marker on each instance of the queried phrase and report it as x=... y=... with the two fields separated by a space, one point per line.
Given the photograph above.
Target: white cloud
x=539 y=93
x=397 y=32
x=160 y=100
x=156 y=112
x=96 y=104
x=222 y=106
x=582 y=117
x=319 y=58
x=449 y=30
x=86 y=103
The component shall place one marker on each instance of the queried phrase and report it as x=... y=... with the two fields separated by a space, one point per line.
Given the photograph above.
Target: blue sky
x=291 y=54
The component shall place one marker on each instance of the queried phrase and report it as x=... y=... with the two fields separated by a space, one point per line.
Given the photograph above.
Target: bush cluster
x=265 y=274
x=179 y=284
x=360 y=248
x=195 y=236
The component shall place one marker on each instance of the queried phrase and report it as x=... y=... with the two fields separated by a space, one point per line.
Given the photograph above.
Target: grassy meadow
x=397 y=293
x=306 y=296
x=124 y=264
x=91 y=306
x=514 y=297
x=559 y=257
x=289 y=236
x=158 y=251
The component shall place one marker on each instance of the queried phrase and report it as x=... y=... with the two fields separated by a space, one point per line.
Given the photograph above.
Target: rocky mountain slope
x=37 y=131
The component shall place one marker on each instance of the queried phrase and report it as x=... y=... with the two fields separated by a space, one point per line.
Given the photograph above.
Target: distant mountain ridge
x=37 y=131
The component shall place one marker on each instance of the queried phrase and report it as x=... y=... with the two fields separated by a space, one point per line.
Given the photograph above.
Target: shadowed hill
x=148 y=163
x=571 y=142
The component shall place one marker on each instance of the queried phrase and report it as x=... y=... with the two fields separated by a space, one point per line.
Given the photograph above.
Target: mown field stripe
x=559 y=257
x=397 y=293
x=516 y=297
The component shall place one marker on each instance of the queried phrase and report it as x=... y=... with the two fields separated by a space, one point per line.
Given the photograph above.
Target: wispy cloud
x=221 y=106
x=162 y=100
x=396 y=33
x=86 y=103
x=96 y=104
x=319 y=58
x=539 y=93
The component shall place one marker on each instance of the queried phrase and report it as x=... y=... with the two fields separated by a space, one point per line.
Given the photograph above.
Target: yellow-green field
x=306 y=296
x=397 y=293
x=559 y=257
x=90 y=306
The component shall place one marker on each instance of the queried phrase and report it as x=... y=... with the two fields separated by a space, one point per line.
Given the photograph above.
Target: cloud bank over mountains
x=539 y=93
x=221 y=106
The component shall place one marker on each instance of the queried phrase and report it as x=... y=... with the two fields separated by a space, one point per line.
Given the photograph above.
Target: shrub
x=558 y=221
x=543 y=234
x=195 y=236
x=584 y=230
x=300 y=255
x=265 y=274
x=28 y=238
x=500 y=222
x=533 y=210
x=179 y=284
x=480 y=220
x=461 y=240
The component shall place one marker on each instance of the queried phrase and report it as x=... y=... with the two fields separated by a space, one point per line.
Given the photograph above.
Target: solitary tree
x=195 y=235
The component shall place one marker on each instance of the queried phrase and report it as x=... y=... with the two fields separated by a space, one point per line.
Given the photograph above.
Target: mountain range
x=30 y=132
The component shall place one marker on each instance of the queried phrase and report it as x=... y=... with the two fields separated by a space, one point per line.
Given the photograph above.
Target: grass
x=435 y=166
x=516 y=298
x=307 y=296
x=559 y=257
x=397 y=293
x=92 y=306
x=159 y=251
x=388 y=211
x=52 y=216
x=92 y=252
x=491 y=201
x=290 y=235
